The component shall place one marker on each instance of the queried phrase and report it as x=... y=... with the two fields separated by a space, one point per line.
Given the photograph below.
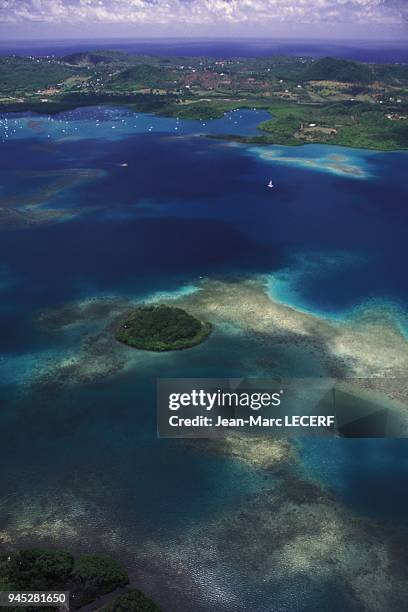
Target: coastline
x=264 y=141
x=261 y=139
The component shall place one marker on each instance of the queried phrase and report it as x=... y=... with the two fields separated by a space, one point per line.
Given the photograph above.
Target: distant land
x=311 y=100
x=380 y=51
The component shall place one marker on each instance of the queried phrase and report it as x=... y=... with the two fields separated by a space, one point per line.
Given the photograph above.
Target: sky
x=341 y=19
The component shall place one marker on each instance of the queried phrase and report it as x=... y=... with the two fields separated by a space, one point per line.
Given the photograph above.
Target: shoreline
x=49 y=109
x=260 y=142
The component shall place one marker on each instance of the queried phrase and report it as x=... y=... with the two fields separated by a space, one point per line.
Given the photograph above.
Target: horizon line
x=206 y=38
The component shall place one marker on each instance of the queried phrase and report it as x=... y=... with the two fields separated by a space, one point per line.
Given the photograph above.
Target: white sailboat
x=271 y=185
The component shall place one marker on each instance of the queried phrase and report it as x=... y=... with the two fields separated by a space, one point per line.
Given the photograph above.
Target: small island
x=161 y=328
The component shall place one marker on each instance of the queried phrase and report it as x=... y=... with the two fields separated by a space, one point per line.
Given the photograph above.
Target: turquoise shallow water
x=82 y=464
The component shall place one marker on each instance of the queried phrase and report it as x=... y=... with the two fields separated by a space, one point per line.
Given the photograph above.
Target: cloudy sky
x=211 y=18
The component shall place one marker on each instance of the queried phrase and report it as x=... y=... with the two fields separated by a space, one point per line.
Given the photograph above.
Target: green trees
x=143 y=75
x=330 y=68
x=98 y=574
x=359 y=125
x=161 y=328
x=18 y=74
x=132 y=601
x=86 y=578
x=41 y=570
x=283 y=128
x=94 y=575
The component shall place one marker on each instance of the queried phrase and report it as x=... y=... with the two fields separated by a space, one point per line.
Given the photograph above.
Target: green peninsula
x=161 y=328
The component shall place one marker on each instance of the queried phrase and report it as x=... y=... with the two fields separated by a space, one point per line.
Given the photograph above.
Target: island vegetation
x=161 y=328
x=132 y=601
x=87 y=577
x=326 y=100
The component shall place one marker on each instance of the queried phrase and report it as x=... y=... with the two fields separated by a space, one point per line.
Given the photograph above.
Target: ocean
x=117 y=206
x=381 y=52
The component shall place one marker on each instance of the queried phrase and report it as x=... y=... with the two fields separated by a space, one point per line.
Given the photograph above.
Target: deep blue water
x=360 y=50
x=184 y=207
x=204 y=205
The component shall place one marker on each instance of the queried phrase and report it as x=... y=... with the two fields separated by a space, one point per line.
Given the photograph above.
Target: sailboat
x=271 y=185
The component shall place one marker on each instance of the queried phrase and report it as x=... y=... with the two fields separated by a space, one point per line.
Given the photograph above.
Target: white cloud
x=204 y=11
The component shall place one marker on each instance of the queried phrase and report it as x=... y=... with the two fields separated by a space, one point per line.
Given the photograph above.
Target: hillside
x=332 y=69
x=143 y=76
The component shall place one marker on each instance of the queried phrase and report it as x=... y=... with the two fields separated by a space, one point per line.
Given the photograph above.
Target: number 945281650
x=58 y=599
